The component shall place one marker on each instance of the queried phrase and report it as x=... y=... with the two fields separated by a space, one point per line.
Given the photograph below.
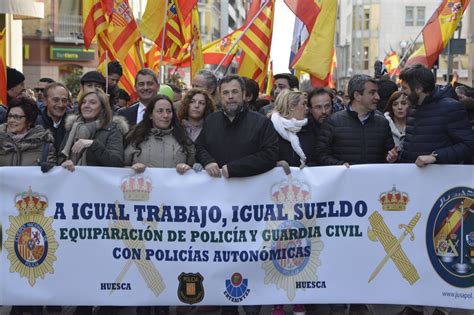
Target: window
x=366 y=19
x=365 y=58
x=409 y=16
x=420 y=16
x=414 y=20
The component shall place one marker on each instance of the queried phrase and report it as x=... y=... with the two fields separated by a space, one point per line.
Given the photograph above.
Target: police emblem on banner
x=31 y=245
x=190 y=289
x=296 y=259
x=450 y=236
x=236 y=288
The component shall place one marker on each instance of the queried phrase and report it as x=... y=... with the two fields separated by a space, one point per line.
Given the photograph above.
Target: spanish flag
x=316 y=54
x=438 y=31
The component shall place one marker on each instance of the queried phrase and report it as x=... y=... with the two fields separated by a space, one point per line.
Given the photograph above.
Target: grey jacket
x=160 y=150
x=28 y=150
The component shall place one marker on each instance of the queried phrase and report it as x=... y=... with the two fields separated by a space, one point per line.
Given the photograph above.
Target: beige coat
x=160 y=150
x=28 y=150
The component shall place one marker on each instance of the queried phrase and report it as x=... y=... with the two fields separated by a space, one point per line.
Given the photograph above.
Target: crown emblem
x=287 y=192
x=394 y=200
x=136 y=187
x=31 y=203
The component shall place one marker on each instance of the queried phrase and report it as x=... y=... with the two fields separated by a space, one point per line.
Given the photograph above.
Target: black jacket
x=439 y=124
x=58 y=133
x=130 y=113
x=343 y=138
x=307 y=143
x=248 y=145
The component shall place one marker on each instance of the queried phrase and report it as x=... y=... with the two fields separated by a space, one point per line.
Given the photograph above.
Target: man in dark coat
x=236 y=140
x=438 y=129
x=146 y=86
x=51 y=117
x=357 y=135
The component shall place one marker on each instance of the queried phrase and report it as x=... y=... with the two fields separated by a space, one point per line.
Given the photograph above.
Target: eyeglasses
x=37 y=90
x=15 y=117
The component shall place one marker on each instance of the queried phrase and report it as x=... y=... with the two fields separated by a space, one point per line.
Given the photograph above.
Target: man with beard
x=146 y=86
x=320 y=107
x=357 y=135
x=438 y=129
x=236 y=142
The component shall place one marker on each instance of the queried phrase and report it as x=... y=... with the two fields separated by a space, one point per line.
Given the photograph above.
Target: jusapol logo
x=236 y=288
x=450 y=236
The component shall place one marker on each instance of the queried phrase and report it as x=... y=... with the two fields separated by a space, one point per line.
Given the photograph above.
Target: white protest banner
x=393 y=234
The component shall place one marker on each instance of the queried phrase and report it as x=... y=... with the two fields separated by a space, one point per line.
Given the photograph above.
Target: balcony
x=68 y=29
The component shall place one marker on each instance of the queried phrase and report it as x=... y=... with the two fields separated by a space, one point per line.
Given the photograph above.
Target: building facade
x=53 y=47
x=369 y=29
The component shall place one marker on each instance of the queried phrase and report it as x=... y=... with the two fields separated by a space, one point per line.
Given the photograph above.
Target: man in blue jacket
x=438 y=129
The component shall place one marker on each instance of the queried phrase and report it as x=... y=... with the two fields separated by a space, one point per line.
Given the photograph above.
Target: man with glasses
x=52 y=116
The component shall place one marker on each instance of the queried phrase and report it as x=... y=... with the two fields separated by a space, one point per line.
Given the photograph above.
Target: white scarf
x=287 y=129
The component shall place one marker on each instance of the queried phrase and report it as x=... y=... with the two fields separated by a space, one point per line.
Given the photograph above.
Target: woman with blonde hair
x=93 y=136
x=296 y=142
x=195 y=106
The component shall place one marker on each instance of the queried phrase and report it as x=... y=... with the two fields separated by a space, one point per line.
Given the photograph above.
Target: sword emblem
x=379 y=231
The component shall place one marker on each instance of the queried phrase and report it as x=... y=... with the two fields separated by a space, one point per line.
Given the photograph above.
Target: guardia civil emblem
x=30 y=243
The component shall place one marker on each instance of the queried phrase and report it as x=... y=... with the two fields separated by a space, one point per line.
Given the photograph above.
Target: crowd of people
x=225 y=128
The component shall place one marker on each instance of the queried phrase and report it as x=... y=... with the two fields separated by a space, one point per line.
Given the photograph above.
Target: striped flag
x=177 y=12
x=94 y=19
x=3 y=69
x=256 y=42
x=438 y=31
x=215 y=51
x=123 y=29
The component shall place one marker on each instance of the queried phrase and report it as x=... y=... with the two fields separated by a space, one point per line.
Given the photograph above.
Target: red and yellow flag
x=123 y=29
x=256 y=42
x=306 y=10
x=94 y=19
x=329 y=80
x=215 y=51
x=3 y=69
x=438 y=31
x=177 y=13
x=316 y=54
x=392 y=62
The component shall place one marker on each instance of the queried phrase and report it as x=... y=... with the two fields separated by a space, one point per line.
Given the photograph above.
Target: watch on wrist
x=435 y=155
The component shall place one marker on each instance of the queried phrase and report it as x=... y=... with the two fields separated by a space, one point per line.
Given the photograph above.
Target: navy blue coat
x=439 y=124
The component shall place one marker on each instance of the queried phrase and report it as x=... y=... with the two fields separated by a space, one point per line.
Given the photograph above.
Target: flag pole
x=412 y=43
x=160 y=73
x=139 y=54
x=106 y=71
x=241 y=35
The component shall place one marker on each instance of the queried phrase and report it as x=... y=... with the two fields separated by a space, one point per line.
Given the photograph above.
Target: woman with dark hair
x=22 y=143
x=396 y=112
x=195 y=106
x=93 y=136
x=159 y=140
